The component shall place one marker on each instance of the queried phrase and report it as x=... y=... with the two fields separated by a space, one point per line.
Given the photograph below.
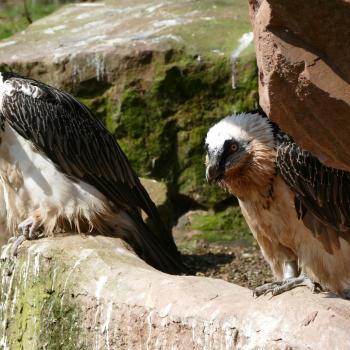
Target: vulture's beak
x=213 y=173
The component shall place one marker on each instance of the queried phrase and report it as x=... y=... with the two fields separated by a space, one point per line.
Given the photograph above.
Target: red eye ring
x=234 y=147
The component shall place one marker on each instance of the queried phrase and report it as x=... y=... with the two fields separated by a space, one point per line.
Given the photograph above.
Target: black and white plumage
x=320 y=191
x=60 y=166
x=297 y=208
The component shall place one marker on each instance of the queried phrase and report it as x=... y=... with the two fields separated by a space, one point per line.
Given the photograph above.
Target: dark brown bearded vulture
x=61 y=169
x=297 y=209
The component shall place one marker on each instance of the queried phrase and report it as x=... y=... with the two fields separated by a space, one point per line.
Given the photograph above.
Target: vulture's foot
x=276 y=288
x=29 y=230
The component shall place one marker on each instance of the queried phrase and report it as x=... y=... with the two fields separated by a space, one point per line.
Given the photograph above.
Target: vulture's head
x=241 y=153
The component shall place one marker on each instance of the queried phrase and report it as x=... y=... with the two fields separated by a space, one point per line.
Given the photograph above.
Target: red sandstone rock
x=303 y=55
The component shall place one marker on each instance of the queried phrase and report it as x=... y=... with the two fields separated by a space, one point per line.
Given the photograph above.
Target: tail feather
x=161 y=254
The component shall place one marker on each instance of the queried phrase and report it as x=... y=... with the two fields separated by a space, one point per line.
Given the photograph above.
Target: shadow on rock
x=205 y=262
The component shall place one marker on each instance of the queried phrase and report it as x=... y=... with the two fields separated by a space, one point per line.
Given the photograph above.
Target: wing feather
x=322 y=193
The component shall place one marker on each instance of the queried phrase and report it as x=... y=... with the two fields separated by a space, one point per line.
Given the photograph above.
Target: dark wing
x=322 y=194
x=65 y=131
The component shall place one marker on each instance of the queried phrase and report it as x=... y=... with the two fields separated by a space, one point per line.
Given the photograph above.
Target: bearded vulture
x=297 y=208
x=60 y=170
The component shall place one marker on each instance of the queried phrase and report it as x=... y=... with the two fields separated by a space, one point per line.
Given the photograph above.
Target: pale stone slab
x=93 y=293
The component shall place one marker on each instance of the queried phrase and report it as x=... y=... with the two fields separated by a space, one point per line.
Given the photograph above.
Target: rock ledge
x=92 y=293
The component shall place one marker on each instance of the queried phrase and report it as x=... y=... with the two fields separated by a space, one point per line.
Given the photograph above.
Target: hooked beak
x=213 y=173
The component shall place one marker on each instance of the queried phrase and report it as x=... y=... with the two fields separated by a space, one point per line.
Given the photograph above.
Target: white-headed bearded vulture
x=297 y=208
x=60 y=169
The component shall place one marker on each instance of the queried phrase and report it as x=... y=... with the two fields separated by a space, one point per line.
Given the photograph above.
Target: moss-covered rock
x=158 y=83
x=200 y=227
x=36 y=312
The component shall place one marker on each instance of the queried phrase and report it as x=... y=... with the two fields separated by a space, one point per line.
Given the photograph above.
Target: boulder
x=159 y=194
x=78 y=292
x=158 y=73
x=303 y=54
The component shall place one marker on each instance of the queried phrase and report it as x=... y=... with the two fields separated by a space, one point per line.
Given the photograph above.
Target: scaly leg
x=280 y=287
x=29 y=230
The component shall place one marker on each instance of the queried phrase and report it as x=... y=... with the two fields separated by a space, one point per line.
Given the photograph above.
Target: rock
x=303 y=54
x=157 y=191
x=226 y=226
x=158 y=73
x=159 y=194
x=93 y=293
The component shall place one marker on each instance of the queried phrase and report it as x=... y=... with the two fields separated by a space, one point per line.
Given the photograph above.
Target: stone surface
x=303 y=54
x=159 y=194
x=92 y=293
x=157 y=72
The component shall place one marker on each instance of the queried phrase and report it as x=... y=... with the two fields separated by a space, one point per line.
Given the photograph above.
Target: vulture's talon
x=276 y=288
x=265 y=288
x=16 y=244
x=29 y=230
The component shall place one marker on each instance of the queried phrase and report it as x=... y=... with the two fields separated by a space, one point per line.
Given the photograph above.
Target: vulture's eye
x=234 y=147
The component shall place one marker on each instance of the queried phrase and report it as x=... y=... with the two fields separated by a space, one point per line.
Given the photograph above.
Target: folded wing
x=66 y=132
x=322 y=194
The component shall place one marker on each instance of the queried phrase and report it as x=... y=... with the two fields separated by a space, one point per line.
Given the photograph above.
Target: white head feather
x=242 y=127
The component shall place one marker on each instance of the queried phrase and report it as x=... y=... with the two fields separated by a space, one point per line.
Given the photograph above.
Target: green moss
x=214 y=101
x=12 y=18
x=225 y=226
x=41 y=317
x=161 y=123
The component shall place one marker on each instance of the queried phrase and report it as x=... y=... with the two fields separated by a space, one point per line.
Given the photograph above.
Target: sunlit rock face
x=159 y=74
x=303 y=55
x=82 y=293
